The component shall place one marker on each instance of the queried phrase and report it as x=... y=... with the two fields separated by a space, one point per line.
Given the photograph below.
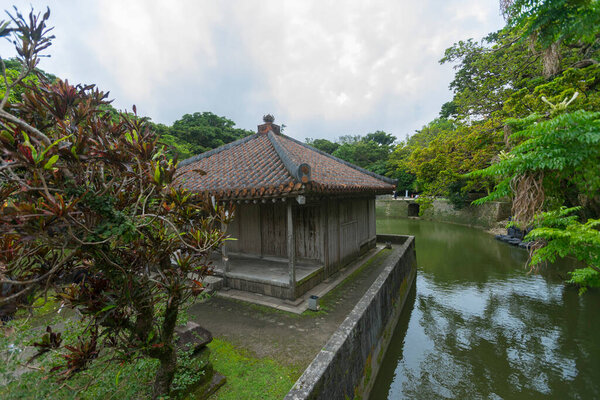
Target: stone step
x=212 y=283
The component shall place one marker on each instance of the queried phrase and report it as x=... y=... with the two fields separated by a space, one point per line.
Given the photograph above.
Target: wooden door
x=307 y=223
x=274 y=229
x=349 y=246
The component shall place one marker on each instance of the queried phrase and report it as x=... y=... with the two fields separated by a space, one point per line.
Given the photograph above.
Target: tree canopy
x=370 y=151
x=199 y=132
x=323 y=145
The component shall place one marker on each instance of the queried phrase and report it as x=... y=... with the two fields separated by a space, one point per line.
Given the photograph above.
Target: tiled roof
x=269 y=165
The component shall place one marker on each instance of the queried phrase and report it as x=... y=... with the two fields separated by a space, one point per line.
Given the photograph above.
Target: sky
x=323 y=68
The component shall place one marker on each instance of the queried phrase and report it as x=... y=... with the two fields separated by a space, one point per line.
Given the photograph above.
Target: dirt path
x=288 y=338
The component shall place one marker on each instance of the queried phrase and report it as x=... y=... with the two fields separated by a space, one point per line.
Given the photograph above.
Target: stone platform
x=268 y=275
x=271 y=270
x=300 y=304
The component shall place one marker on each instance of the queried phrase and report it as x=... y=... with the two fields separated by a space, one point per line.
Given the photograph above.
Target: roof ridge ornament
x=269 y=125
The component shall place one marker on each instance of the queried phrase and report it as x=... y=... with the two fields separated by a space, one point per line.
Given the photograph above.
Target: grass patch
x=135 y=383
x=103 y=379
x=248 y=377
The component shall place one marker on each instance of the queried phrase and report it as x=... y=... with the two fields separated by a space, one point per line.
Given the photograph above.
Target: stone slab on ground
x=212 y=283
x=215 y=383
x=194 y=335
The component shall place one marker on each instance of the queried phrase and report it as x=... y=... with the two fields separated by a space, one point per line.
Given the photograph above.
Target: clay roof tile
x=269 y=164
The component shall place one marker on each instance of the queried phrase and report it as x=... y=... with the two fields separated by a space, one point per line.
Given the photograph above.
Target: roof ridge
x=216 y=151
x=356 y=167
x=300 y=172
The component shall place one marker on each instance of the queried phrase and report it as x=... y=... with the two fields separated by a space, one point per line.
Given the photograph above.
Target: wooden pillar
x=339 y=231
x=325 y=230
x=291 y=250
x=225 y=256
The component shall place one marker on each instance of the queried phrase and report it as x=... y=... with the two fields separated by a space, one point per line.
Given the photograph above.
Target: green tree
x=323 y=145
x=553 y=23
x=440 y=153
x=449 y=110
x=382 y=138
x=199 y=132
x=370 y=151
x=555 y=164
x=499 y=78
x=13 y=71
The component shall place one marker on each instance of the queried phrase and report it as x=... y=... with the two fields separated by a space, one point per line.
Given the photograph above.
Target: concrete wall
x=347 y=366
x=484 y=216
x=391 y=208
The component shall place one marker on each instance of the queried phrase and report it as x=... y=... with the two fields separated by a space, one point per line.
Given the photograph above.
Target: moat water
x=476 y=325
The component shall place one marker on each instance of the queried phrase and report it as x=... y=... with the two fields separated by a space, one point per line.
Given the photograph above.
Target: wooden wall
x=307 y=232
x=246 y=228
x=274 y=229
x=355 y=226
x=332 y=232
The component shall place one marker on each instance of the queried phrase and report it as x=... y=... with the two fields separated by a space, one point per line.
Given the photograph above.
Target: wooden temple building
x=301 y=214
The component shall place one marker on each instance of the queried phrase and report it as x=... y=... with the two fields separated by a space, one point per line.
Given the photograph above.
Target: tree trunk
x=144 y=313
x=551 y=60
x=165 y=373
x=144 y=319
x=168 y=353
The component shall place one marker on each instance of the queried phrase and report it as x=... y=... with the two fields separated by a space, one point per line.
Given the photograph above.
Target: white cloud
x=339 y=61
x=481 y=11
x=145 y=45
x=325 y=68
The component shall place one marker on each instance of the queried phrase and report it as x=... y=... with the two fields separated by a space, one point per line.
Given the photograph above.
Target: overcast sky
x=323 y=68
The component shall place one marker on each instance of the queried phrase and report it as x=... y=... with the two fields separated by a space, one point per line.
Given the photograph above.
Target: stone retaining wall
x=347 y=365
x=484 y=216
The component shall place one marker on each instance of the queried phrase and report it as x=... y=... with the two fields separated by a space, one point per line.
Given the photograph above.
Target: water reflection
x=478 y=326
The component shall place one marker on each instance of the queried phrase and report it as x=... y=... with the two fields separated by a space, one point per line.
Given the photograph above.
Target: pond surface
x=477 y=326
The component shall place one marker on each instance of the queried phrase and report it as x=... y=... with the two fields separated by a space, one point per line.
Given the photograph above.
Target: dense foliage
x=86 y=197
x=562 y=154
x=555 y=165
x=551 y=167
x=199 y=132
x=370 y=151
x=563 y=235
x=13 y=70
x=553 y=21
